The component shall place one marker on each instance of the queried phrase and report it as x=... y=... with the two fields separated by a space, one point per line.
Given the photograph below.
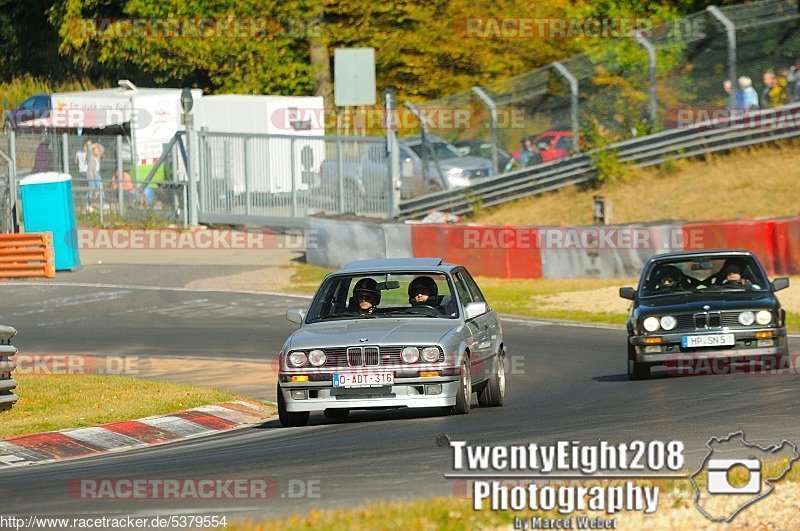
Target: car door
x=480 y=345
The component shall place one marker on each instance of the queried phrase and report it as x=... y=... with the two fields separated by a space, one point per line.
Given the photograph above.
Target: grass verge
x=58 y=401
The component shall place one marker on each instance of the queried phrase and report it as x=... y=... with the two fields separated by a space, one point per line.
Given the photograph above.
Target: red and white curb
x=117 y=436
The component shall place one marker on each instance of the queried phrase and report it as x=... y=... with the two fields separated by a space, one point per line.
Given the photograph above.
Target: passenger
x=423 y=291
x=367 y=296
x=668 y=278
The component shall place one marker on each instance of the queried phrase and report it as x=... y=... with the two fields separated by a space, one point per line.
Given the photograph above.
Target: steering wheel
x=427 y=309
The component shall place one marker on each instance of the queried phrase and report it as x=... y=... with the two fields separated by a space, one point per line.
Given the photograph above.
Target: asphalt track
x=564 y=383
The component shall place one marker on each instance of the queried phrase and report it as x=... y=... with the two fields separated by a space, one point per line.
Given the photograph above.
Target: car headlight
x=410 y=354
x=430 y=354
x=317 y=358
x=746 y=318
x=298 y=359
x=763 y=317
x=651 y=324
x=668 y=322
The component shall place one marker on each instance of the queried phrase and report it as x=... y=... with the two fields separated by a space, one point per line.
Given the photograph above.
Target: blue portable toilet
x=47 y=206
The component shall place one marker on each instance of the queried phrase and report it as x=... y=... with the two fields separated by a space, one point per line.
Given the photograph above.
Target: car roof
x=397 y=264
x=711 y=253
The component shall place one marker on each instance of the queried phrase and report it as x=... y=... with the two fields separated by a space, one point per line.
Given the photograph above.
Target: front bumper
x=406 y=392
x=746 y=346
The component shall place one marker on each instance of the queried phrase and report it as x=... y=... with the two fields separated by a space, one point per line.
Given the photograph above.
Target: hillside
x=754 y=182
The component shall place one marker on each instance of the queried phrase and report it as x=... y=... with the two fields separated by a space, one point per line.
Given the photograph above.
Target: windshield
x=441 y=150
x=701 y=274
x=366 y=296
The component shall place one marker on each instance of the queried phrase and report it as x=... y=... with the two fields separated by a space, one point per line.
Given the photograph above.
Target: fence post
x=294 y=182
x=120 y=180
x=64 y=153
x=651 y=57
x=423 y=133
x=7 y=384
x=573 y=89
x=730 y=29
x=247 y=175
x=393 y=148
x=15 y=210
x=489 y=102
x=340 y=174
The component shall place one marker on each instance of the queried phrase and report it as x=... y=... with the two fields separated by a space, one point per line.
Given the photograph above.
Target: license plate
x=714 y=340
x=363 y=379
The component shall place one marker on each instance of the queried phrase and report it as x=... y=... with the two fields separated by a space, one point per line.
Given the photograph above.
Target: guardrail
x=7 y=384
x=698 y=139
x=27 y=255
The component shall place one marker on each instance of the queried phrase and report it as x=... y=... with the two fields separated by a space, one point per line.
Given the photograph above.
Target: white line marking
x=156 y=288
x=103 y=438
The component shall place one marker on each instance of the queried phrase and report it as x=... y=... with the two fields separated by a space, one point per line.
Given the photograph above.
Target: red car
x=554 y=144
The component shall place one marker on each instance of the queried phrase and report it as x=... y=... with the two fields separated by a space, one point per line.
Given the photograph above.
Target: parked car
x=555 y=144
x=401 y=351
x=367 y=176
x=35 y=107
x=703 y=304
x=479 y=148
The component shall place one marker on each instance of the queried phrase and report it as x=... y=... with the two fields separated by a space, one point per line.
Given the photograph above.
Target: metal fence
x=281 y=178
x=108 y=199
x=7 y=383
x=663 y=77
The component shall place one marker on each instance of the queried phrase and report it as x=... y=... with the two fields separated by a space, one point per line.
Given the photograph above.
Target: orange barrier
x=500 y=252
x=27 y=255
x=757 y=236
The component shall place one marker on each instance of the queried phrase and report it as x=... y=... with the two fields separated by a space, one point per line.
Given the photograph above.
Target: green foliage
x=604 y=158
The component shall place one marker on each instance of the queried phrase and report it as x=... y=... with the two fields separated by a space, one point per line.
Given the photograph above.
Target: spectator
x=127 y=185
x=774 y=93
x=728 y=86
x=43 y=160
x=524 y=155
x=749 y=94
x=80 y=160
x=535 y=156
x=93 y=152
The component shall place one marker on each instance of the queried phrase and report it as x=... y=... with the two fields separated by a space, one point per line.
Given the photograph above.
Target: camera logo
x=736 y=473
x=719 y=481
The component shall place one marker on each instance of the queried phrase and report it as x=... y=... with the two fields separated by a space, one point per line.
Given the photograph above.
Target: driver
x=367 y=296
x=733 y=276
x=423 y=291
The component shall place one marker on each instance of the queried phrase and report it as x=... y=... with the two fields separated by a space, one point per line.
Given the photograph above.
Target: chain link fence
x=668 y=76
x=106 y=199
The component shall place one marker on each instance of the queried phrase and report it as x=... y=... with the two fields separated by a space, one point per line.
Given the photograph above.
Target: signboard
x=354 y=76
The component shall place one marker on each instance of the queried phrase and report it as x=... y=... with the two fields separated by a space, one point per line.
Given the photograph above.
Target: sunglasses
x=364 y=297
x=422 y=292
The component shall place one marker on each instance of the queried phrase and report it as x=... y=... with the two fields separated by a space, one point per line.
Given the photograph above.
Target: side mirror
x=474 y=309
x=780 y=283
x=627 y=293
x=296 y=315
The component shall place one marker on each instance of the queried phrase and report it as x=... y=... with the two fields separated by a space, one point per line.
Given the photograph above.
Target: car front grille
x=366 y=356
x=707 y=321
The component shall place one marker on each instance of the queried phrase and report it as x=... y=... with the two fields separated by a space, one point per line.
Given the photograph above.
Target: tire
x=636 y=371
x=290 y=419
x=464 y=396
x=494 y=392
x=336 y=413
